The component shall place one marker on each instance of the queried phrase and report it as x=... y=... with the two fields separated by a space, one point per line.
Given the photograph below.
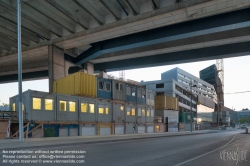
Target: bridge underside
x=218 y=36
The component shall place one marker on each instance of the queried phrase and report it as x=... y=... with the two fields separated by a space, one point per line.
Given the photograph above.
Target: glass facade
x=204 y=114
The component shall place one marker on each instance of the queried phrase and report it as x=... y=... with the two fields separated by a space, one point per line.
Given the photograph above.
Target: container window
x=117 y=86
x=72 y=106
x=37 y=104
x=157 y=128
x=91 y=108
x=101 y=85
x=152 y=113
x=148 y=112
x=107 y=111
x=128 y=111
x=143 y=112
x=14 y=107
x=49 y=104
x=108 y=86
x=160 y=85
x=133 y=112
x=62 y=105
x=101 y=110
x=133 y=91
x=84 y=107
x=143 y=96
x=139 y=112
x=122 y=108
x=121 y=87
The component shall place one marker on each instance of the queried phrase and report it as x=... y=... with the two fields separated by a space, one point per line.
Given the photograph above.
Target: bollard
x=246 y=130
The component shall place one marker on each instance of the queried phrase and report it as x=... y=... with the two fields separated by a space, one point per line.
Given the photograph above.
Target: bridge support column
x=58 y=67
x=89 y=67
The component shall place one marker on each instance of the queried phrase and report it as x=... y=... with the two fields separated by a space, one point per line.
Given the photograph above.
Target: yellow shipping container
x=76 y=84
x=166 y=102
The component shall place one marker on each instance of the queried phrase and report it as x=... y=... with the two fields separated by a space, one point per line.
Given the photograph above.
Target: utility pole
x=191 y=107
x=20 y=100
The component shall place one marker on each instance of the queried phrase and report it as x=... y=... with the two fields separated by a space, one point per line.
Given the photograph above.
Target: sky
x=236 y=79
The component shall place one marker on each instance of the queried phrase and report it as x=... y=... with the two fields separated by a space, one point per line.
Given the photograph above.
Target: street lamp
x=191 y=107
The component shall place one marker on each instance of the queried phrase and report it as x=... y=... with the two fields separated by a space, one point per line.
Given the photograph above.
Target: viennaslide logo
x=233 y=155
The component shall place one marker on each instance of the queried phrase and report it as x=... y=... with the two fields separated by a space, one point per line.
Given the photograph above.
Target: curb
x=102 y=141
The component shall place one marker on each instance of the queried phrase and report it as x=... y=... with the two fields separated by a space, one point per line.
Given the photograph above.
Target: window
x=139 y=112
x=101 y=110
x=108 y=86
x=157 y=128
x=128 y=111
x=118 y=86
x=22 y=107
x=100 y=85
x=143 y=96
x=72 y=106
x=14 y=107
x=91 y=108
x=37 y=104
x=148 y=112
x=122 y=108
x=121 y=87
x=133 y=112
x=62 y=105
x=160 y=85
x=107 y=111
x=152 y=113
x=133 y=91
x=143 y=112
x=49 y=104
x=84 y=107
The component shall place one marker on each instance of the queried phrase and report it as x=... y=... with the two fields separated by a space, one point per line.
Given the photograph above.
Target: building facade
x=187 y=80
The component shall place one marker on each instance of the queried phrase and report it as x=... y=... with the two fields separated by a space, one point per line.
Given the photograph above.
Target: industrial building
x=178 y=83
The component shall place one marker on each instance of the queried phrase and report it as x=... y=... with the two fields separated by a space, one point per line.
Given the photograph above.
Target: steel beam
x=26 y=76
x=210 y=53
x=205 y=26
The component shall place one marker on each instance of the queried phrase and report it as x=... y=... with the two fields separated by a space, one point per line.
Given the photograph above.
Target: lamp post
x=191 y=108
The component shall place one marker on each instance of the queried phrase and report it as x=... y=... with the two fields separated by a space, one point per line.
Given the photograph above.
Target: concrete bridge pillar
x=58 y=67
x=89 y=67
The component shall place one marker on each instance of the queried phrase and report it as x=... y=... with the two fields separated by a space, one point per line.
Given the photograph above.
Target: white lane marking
x=206 y=153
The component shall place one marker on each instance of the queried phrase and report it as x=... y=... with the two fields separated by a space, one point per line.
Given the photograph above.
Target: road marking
x=207 y=153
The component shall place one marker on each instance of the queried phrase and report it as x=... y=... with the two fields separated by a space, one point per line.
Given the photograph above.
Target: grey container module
x=141 y=95
x=131 y=93
x=104 y=111
x=88 y=109
x=130 y=113
x=150 y=114
x=67 y=109
x=37 y=106
x=130 y=128
x=118 y=112
x=118 y=90
x=150 y=97
x=141 y=113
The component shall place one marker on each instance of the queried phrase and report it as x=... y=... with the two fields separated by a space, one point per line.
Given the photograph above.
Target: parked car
x=243 y=126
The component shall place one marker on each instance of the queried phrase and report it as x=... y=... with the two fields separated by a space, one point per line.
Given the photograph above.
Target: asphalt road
x=193 y=150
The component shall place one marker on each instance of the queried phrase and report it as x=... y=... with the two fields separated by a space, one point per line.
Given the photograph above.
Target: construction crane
x=122 y=75
x=220 y=87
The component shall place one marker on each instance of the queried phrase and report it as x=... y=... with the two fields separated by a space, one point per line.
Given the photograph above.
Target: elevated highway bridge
x=63 y=36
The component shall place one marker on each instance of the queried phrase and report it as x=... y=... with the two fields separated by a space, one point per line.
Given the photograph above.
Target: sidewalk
x=12 y=144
